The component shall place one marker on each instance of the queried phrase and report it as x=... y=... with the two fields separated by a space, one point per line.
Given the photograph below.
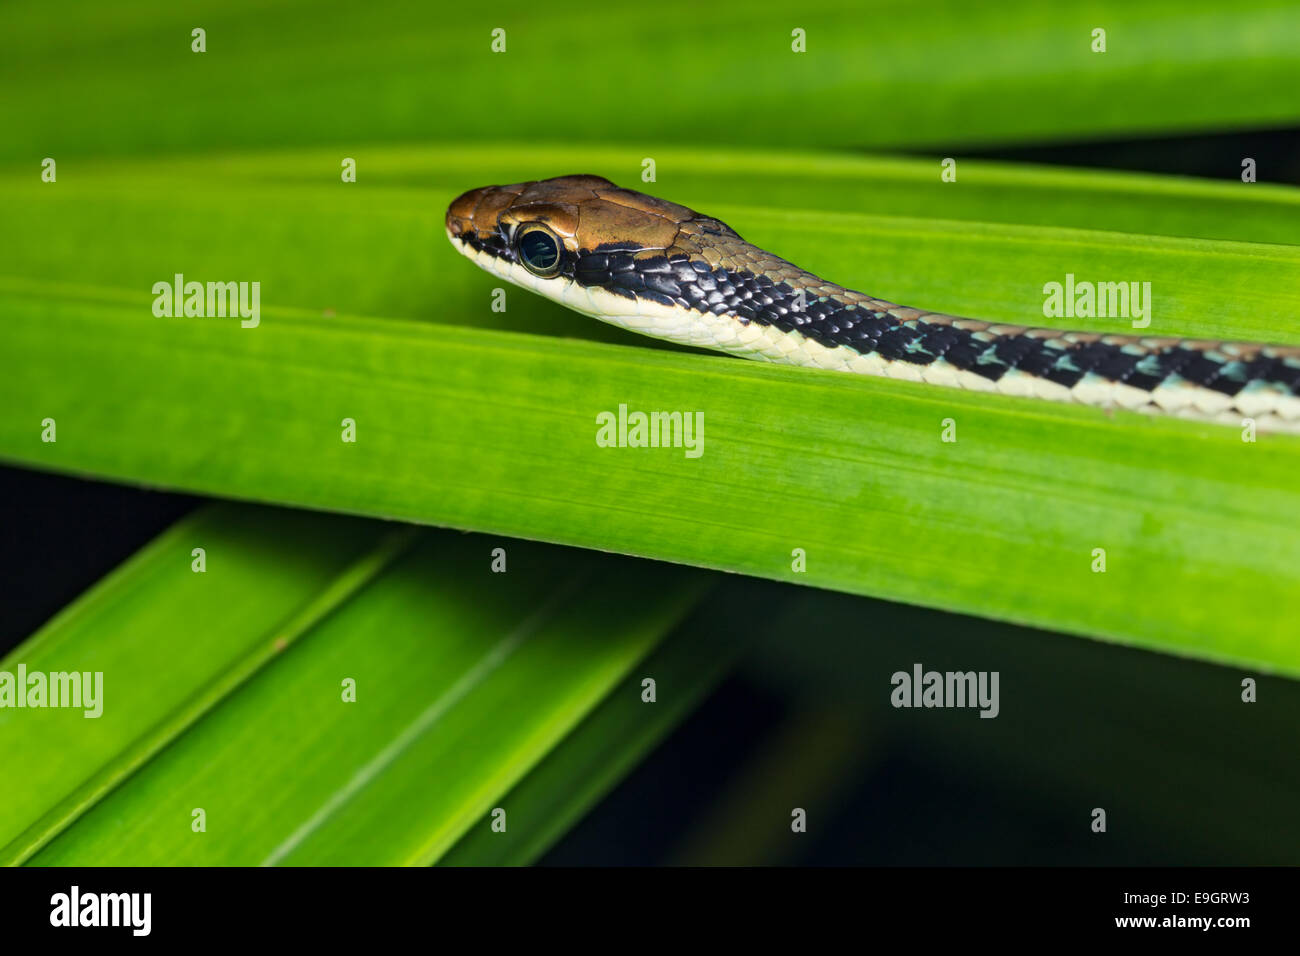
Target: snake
x=661 y=269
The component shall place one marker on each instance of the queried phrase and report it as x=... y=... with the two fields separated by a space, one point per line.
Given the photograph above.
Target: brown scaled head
x=537 y=223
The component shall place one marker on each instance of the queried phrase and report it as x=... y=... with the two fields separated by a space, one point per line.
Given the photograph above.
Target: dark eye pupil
x=539 y=250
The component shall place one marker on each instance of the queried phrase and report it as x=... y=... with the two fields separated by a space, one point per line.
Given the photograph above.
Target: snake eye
x=539 y=250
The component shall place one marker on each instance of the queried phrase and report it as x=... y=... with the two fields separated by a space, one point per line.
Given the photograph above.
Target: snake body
x=663 y=270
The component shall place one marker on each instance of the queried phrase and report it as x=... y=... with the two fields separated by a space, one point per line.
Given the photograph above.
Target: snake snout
x=460 y=214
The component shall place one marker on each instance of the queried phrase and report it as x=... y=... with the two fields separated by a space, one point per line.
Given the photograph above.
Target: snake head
x=488 y=221
x=588 y=244
x=547 y=227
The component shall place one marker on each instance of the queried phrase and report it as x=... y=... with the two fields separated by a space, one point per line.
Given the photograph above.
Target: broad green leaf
x=79 y=77
x=464 y=680
x=496 y=431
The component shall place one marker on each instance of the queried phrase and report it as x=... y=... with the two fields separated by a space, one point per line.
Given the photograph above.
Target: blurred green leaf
x=170 y=643
x=619 y=733
x=464 y=680
x=884 y=73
